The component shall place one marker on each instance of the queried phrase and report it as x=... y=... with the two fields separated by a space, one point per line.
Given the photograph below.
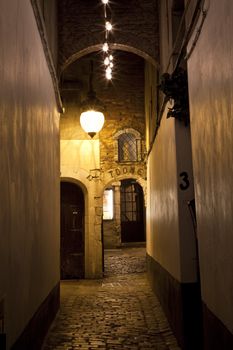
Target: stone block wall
x=124 y=100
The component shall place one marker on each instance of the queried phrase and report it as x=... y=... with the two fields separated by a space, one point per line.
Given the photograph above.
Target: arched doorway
x=132 y=212
x=72 y=231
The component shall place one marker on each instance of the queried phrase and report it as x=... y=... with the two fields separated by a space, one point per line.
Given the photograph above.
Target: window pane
x=108 y=205
x=127 y=148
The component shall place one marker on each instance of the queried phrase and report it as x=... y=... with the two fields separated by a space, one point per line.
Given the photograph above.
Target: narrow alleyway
x=117 y=312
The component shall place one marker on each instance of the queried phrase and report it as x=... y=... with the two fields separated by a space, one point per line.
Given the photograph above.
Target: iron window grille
x=129 y=148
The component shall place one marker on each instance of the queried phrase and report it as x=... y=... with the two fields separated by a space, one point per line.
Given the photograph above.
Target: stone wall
x=124 y=101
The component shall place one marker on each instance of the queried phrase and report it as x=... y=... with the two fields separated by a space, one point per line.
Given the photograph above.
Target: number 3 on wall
x=185 y=181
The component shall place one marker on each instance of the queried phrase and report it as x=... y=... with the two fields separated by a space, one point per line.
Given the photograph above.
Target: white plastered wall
x=170 y=233
x=210 y=71
x=29 y=177
x=162 y=204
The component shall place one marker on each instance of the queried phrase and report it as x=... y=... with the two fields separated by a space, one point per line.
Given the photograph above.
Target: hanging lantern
x=92 y=117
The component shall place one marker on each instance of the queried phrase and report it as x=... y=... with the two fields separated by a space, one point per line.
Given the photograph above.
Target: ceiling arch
x=94 y=48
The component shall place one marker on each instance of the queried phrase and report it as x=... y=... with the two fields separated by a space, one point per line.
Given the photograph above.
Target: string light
x=108 y=70
x=107 y=61
x=108 y=26
x=108 y=75
x=108 y=57
x=105 y=47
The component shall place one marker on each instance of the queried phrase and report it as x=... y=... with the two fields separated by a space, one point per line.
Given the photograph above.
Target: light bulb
x=108 y=70
x=108 y=26
x=105 y=1
x=106 y=61
x=105 y=47
x=108 y=76
x=111 y=57
x=110 y=64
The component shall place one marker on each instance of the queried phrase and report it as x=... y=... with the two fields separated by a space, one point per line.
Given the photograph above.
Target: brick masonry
x=81 y=26
x=123 y=99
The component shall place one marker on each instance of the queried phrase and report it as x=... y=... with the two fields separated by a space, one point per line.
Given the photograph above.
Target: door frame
x=85 y=225
x=141 y=204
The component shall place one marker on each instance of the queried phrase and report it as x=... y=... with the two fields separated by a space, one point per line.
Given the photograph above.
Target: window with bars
x=129 y=148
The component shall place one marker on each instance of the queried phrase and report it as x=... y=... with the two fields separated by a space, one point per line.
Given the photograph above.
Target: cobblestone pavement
x=117 y=312
x=124 y=261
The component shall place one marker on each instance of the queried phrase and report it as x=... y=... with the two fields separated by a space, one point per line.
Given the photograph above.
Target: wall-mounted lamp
x=175 y=87
x=92 y=117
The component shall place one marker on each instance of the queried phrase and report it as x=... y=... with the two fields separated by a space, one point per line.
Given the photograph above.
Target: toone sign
x=127 y=170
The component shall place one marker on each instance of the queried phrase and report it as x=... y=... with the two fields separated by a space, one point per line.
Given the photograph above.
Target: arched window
x=128 y=146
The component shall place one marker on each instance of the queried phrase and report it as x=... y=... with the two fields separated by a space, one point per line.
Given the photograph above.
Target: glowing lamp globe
x=92 y=121
x=92 y=117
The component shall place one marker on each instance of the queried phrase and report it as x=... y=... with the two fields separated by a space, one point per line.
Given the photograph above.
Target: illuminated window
x=108 y=204
x=128 y=146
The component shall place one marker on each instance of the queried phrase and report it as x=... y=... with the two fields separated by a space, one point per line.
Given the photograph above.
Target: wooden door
x=132 y=212
x=72 y=231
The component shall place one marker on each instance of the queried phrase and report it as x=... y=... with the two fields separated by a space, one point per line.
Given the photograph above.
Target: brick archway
x=110 y=178
x=96 y=48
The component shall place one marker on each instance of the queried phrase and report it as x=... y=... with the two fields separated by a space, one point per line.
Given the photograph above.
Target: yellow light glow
x=92 y=122
x=105 y=1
